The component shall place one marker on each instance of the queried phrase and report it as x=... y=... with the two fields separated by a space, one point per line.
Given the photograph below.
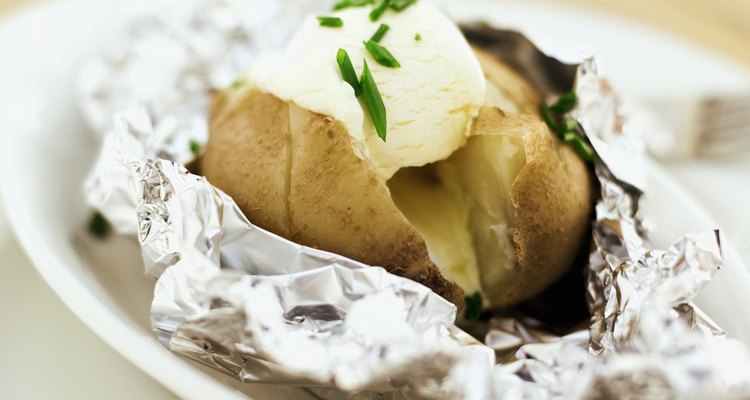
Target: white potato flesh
x=462 y=208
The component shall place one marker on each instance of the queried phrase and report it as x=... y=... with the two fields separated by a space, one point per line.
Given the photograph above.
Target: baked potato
x=505 y=215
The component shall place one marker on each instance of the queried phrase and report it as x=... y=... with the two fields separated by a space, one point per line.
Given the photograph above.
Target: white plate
x=46 y=152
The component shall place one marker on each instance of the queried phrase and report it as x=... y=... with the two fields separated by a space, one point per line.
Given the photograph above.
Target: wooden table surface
x=720 y=24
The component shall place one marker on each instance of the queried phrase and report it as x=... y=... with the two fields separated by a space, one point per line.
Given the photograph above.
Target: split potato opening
x=462 y=208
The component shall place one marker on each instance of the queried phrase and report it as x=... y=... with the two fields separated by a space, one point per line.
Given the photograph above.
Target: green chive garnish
x=378 y=36
x=237 y=84
x=579 y=145
x=380 y=7
x=98 y=226
x=331 y=22
x=347 y=71
x=548 y=117
x=474 y=306
x=418 y=37
x=351 y=3
x=395 y=5
x=374 y=102
x=567 y=129
x=401 y=5
x=568 y=125
x=565 y=104
x=195 y=147
x=381 y=55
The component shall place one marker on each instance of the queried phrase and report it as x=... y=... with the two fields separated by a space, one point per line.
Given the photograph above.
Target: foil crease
x=260 y=308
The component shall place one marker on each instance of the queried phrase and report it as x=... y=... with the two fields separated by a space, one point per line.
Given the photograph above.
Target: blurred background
x=86 y=368
x=722 y=24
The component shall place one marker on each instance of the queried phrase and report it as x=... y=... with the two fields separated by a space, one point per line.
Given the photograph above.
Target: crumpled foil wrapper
x=260 y=308
x=168 y=62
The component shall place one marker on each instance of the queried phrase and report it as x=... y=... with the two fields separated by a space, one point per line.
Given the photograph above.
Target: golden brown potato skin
x=312 y=188
x=246 y=156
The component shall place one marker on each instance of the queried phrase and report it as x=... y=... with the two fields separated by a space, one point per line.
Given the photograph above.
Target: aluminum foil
x=169 y=61
x=260 y=308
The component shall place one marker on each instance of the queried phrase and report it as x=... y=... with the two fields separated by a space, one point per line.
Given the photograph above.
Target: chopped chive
x=418 y=37
x=347 y=71
x=567 y=129
x=98 y=226
x=380 y=7
x=568 y=125
x=374 y=102
x=237 y=84
x=195 y=147
x=401 y=5
x=565 y=104
x=378 y=36
x=579 y=145
x=351 y=3
x=474 y=305
x=331 y=22
x=548 y=117
x=381 y=55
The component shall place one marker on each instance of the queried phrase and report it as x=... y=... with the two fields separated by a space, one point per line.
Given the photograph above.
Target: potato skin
x=552 y=202
x=552 y=215
x=246 y=156
x=311 y=188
